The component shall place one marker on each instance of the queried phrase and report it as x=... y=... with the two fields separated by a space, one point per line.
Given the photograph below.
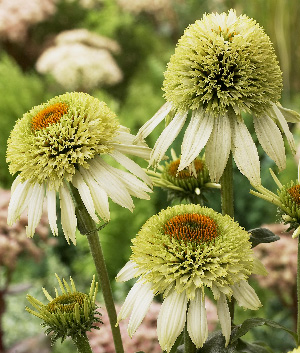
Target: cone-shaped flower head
x=183 y=252
x=63 y=142
x=69 y=314
x=223 y=65
x=189 y=184
x=287 y=200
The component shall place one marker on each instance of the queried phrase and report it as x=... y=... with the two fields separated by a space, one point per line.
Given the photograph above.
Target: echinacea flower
x=64 y=143
x=181 y=253
x=189 y=184
x=287 y=200
x=223 y=65
x=296 y=350
x=69 y=314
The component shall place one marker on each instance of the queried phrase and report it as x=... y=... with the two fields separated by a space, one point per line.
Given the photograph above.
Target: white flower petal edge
x=218 y=147
x=224 y=317
x=245 y=153
x=167 y=137
x=195 y=137
x=197 y=320
x=51 y=205
x=35 y=208
x=151 y=124
x=134 y=150
x=245 y=295
x=68 y=217
x=171 y=319
x=140 y=308
x=270 y=138
x=258 y=267
x=18 y=202
x=127 y=272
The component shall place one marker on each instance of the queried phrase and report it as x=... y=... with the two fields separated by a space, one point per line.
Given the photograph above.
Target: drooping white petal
x=112 y=185
x=15 y=183
x=99 y=196
x=283 y=124
x=171 y=319
x=151 y=124
x=167 y=137
x=19 y=201
x=127 y=272
x=130 y=165
x=85 y=195
x=195 y=137
x=35 y=208
x=245 y=295
x=258 y=267
x=290 y=116
x=135 y=150
x=270 y=138
x=218 y=147
x=51 y=206
x=140 y=308
x=68 y=217
x=245 y=152
x=197 y=319
x=224 y=317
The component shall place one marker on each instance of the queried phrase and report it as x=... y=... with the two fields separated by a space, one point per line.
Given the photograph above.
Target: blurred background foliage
x=138 y=38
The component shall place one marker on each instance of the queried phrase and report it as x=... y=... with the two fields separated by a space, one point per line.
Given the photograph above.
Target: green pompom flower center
x=48 y=116
x=294 y=192
x=66 y=302
x=192 y=228
x=185 y=173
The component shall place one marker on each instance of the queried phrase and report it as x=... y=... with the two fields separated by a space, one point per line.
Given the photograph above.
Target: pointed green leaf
x=245 y=347
x=262 y=235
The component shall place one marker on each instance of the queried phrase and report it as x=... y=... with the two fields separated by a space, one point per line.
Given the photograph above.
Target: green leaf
x=245 y=347
x=216 y=344
x=248 y=324
x=262 y=235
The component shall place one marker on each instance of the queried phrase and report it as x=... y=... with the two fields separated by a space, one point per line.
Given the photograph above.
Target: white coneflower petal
x=140 y=308
x=245 y=152
x=270 y=138
x=51 y=206
x=171 y=319
x=18 y=202
x=258 y=267
x=85 y=194
x=134 y=150
x=127 y=272
x=131 y=166
x=197 y=320
x=151 y=124
x=195 y=137
x=167 y=137
x=218 y=147
x=35 y=208
x=68 y=217
x=224 y=317
x=245 y=295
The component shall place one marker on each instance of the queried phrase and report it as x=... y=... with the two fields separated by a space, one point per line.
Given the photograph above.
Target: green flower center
x=294 y=192
x=48 y=116
x=66 y=302
x=192 y=228
x=184 y=174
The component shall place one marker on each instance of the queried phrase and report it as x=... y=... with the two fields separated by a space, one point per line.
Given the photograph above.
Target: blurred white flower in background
x=16 y=16
x=81 y=60
x=137 y=6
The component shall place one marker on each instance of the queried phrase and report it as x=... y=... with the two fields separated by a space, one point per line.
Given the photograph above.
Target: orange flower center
x=192 y=227
x=294 y=192
x=48 y=116
x=185 y=173
x=66 y=302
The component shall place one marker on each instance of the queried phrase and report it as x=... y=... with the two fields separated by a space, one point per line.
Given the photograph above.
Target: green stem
x=88 y=227
x=298 y=292
x=189 y=346
x=82 y=344
x=228 y=206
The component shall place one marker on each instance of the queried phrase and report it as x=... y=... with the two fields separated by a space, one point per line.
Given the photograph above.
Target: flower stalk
x=82 y=344
x=189 y=346
x=298 y=292
x=88 y=227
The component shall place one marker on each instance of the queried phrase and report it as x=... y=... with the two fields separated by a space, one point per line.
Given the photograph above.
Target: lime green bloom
x=69 y=314
x=296 y=350
x=223 y=65
x=64 y=142
x=189 y=184
x=287 y=200
x=181 y=253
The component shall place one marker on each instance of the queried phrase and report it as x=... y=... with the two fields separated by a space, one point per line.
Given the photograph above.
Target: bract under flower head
x=180 y=253
x=223 y=65
x=67 y=315
x=61 y=144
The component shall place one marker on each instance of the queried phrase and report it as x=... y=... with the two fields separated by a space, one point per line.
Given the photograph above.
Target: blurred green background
x=146 y=33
